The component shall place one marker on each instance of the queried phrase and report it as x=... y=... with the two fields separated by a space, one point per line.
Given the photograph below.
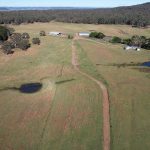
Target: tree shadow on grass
x=64 y=81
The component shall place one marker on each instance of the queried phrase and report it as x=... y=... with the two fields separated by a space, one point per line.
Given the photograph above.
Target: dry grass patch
x=129 y=94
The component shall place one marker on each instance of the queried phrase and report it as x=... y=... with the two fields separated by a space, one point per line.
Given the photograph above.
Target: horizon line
x=75 y=6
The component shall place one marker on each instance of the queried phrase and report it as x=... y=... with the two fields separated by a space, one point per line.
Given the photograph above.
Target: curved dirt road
x=106 y=115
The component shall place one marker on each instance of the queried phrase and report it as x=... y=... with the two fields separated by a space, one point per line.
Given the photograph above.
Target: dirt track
x=106 y=115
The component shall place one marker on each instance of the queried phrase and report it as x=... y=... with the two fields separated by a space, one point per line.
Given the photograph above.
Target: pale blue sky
x=73 y=3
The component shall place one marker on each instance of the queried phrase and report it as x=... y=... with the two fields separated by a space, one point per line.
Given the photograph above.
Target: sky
x=70 y=3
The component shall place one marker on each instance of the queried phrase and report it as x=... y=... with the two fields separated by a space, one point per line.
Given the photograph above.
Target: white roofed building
x=85 y=34
x=55 y=33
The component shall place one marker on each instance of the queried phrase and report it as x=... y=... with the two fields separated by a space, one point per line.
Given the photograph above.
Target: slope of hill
x=3 y=9
x=132 y=15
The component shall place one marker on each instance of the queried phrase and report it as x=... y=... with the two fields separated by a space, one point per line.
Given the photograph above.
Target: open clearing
x=67 y=112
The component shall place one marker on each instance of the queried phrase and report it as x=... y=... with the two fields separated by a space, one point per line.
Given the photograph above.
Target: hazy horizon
x=71 y=3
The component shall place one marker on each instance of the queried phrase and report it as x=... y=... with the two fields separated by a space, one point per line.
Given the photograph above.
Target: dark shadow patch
x=146 y=70
x=30 y=88
x=126 y=64
x=101 y=65
x=9 y=88
x=121 y=65
x=10 y=53
x=64 y=81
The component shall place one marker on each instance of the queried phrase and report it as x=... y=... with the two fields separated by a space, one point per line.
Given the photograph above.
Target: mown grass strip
x=86 y=65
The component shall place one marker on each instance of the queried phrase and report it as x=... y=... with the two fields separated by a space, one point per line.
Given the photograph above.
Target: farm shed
x=85 y=34
x=55 y=33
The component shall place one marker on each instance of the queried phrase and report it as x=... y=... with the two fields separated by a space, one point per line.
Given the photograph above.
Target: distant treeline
x=137 y=15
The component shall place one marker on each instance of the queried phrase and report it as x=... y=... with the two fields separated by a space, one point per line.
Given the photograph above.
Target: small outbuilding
x=55 y=33
x=84 y=34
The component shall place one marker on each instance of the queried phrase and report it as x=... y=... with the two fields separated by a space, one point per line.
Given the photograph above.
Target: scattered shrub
x=42 y=33
x=70 y=36
x=36 y=41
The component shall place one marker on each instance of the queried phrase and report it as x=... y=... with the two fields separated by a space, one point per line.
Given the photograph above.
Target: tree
x=98 y=35
x=25 y=36
x=146 y=45
x=42 y=33
x=138 y=40
x=15 y=39
x=24 y=44
x=116 y=39
x=11 y=30
x=36 y=41
x=4 y=33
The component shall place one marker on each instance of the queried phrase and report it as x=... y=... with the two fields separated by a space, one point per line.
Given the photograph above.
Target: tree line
x=134 y=15
x=139 y=41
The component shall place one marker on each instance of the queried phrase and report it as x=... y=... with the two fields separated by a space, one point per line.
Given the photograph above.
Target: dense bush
x=146 y=45
x=98 y=35
x=116 y=39
x=42 y=33
x=4 y=33
x=36 y=41
x=126 y=41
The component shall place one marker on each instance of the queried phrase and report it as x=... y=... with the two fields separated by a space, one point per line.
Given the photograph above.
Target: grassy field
x=109 y=30
x=67 y=112
x=129 y=93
